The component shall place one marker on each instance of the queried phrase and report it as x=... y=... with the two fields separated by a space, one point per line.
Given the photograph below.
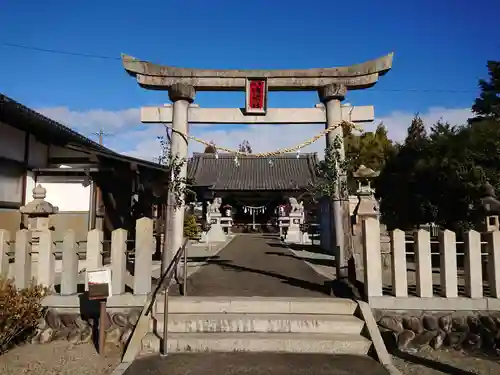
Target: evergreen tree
x=370 y=149
x=487 y=106
x=441 y=177
x=416 y=132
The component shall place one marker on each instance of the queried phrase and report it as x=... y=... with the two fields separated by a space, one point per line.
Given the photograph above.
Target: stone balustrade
x=60 y=266
x=437 y=275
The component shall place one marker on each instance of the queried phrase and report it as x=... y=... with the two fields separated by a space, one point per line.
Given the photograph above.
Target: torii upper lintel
x=161 y=77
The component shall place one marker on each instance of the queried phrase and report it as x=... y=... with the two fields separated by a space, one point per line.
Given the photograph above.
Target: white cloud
x=94 y=119
x=397 y=122
x=139 y=140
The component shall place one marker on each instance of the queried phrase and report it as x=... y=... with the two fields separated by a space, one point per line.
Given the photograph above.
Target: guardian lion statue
x=215 y=205
x=296 y=207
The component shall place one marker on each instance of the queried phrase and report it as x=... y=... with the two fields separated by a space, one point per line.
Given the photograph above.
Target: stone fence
x=61 y=265
x=437 y=275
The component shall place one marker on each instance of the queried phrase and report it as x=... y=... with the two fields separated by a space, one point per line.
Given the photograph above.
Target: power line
x=60 y=52
x=103 y=57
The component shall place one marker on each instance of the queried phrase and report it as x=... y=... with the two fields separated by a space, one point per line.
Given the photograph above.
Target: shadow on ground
x=416 y=359
x=310 y=248
x=256 y=364
x=292 y=281
x=321 y=262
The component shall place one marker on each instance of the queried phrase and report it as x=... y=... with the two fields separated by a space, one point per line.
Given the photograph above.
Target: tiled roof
x=286 y=172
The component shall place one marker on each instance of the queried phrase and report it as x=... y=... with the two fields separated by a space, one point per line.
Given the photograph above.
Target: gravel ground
x=446 y=362
x=58 y=357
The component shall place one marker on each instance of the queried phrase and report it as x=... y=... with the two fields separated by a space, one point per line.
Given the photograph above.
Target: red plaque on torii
x=256 y=96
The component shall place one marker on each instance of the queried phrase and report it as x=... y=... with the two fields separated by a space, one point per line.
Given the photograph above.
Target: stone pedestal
x=227 y=224
x=367 y=207
x=38 y=213
x=306 y=239
x=294 y=235
x=283 y=222
x=215 y=233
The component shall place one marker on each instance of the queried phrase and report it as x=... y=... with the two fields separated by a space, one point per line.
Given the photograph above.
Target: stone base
x=57 y=325
x=456 y=330
x=306 y=240
x=293 y=236
x=216 y=234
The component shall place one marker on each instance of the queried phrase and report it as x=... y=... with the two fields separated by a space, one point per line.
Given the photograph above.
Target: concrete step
x=260 y=342
x=296 y=323
x=257 y=305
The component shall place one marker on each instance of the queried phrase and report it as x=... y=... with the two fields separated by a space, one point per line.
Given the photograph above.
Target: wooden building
x=250 y=181
x=36 y=149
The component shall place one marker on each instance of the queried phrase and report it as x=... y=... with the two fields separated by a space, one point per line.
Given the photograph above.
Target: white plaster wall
x=68 y=196
x=30 y=185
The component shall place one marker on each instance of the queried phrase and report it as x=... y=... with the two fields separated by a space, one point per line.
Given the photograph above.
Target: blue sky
x=441 y=49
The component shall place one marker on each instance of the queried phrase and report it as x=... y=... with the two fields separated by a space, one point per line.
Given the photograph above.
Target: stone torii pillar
x=331 y=96
x=182 y=96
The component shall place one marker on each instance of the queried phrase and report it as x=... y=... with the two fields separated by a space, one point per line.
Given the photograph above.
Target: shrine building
x=249 y=183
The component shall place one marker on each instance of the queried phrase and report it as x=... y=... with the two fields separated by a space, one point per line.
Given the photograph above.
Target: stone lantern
x=367 y=204
x=38 y=212
x=491 y=208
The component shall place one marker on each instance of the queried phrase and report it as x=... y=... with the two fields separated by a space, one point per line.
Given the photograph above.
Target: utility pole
x=98 y=214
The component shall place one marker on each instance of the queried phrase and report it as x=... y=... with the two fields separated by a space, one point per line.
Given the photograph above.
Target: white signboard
x=98 y=276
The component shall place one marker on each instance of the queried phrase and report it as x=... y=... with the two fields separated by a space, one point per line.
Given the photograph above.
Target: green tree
x=440 y=176
x=416 y=132
x=179 y=188
x=400 y=185
x=487 y=106
x=370 y=149
x=191 y=229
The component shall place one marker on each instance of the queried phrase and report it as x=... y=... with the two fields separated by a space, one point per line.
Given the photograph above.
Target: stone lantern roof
x=39 y=206
x=365 y=172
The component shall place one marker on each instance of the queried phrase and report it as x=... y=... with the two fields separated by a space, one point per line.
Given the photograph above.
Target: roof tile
x=286 y=172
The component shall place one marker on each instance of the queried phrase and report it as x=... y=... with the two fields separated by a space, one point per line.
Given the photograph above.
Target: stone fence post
x=144 y=249
x=46 y=260
x=22 y=262
x=4 y=252
x=69 y=275
x=372 y=257
x=118 y=260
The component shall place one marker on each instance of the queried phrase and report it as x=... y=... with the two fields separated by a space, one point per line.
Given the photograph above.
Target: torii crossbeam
x=161 y=77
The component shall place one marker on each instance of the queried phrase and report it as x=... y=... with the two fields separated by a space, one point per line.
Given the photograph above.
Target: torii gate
x=331 y=84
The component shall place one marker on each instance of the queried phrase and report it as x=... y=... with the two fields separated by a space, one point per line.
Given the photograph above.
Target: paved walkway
x=257 y=265
x=256 y=364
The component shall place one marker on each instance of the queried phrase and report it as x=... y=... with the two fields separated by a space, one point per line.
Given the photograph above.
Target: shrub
x=20 y=312
x=191 y=229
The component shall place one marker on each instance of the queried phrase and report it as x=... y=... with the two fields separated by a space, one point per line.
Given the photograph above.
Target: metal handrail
x=142 y=326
